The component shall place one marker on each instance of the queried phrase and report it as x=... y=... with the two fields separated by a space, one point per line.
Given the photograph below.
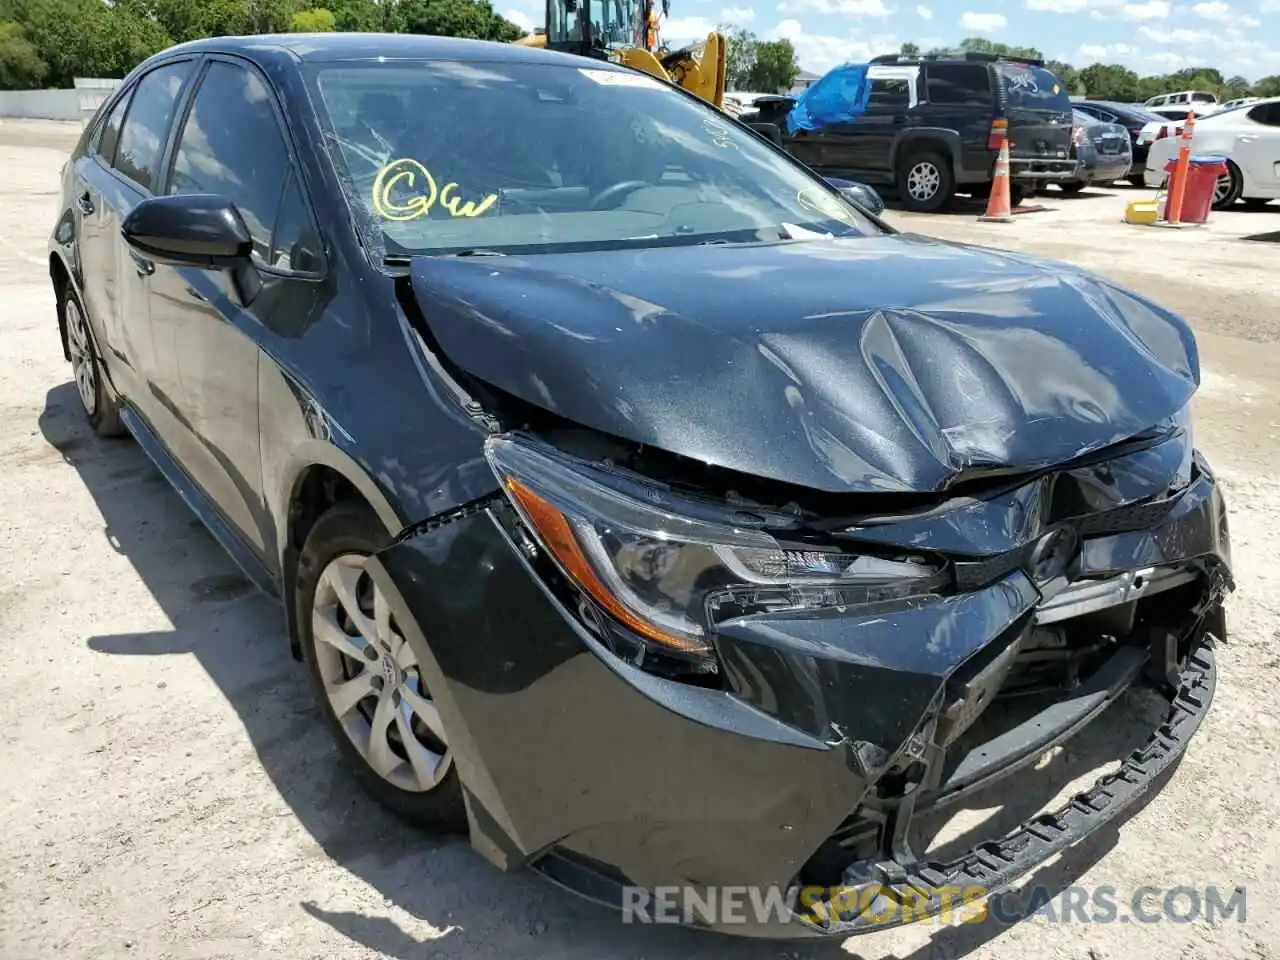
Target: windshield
x=445 y=157
x=1034 y=88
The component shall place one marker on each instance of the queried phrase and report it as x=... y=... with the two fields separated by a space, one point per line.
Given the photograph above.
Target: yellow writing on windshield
x=410 y=174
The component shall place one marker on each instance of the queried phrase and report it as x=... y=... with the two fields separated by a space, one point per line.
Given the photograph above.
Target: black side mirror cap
x=193 y=230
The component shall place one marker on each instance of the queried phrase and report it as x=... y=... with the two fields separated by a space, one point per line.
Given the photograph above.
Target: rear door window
x=1034 y=88
x=146 y=126
x=109 y=132
x=958 y=84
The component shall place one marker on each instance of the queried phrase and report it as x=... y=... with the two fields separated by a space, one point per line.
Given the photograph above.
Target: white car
x=1248 y=136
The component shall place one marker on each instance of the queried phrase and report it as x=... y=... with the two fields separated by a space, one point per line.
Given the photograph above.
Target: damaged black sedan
x=639 y=503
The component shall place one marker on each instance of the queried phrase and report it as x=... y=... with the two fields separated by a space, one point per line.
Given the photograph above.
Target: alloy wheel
x=82 y=365
x=372 y=680
x=1222 y=189
x=923 y=181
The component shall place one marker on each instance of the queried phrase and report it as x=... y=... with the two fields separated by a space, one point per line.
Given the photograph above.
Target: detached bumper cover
x=604 y=776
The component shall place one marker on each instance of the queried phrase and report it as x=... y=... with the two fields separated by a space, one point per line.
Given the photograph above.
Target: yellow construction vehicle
x=626 y=32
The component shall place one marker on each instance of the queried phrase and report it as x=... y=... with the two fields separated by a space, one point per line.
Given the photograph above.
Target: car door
x=1257 y=148
x=119 y=284
x=92 y=183
x=958 y=96
x=864 y=147
x=231 y=142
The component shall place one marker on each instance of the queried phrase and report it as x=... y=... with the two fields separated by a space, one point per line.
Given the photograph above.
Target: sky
x=1239 y=37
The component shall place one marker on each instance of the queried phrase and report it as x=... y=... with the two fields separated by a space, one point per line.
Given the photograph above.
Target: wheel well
x=61 y=283
x=319 y=488
x=914 y=148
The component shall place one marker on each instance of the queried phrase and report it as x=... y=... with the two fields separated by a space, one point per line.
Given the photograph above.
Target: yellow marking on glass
x=409 y=172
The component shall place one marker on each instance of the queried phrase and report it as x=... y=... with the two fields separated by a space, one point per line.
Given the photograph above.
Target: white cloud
x=1151 y=10
x=1177 y=36
x=520 y=19
x=686 y=28
x=1057 y=6
x=1213 y=10
x=924 y=12
x=1100 y=52
x=984 y=22
x=1166 y=60
x=738 y=14
x=1250 y=22
x=820 y=52
x=850 y=8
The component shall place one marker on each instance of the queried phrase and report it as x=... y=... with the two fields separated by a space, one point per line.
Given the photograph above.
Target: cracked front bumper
x=602 y=776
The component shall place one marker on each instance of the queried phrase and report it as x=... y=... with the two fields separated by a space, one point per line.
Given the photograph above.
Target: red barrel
x=1202 y=180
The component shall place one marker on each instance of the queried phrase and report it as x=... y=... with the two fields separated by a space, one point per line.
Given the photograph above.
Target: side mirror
x=860 y=194
x=195 y=230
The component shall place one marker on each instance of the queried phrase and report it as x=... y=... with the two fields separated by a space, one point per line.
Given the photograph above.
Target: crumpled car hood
x=887 y=363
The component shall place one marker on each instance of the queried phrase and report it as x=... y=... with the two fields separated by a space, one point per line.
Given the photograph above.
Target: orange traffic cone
x=1000 y=204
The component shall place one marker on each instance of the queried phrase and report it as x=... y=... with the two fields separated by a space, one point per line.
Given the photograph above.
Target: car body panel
x=848 y=394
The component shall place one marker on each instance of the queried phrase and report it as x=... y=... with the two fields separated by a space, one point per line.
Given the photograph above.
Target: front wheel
x=925 y=182
x=367 y=677
x=1071 y=186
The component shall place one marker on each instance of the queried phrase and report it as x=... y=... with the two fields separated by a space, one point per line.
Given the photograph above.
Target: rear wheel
x=367 y=678
x=925 y=182
x=1228 y=188
x=1071 y=186
x=99 y=405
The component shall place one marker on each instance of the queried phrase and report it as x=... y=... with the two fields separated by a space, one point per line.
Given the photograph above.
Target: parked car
x=1101 y=151
x=1179 y=113
x=636 y=503
x=1249 y=138
x=1239 y=102
x=1143 y=126
x=933 y=125
x=1202 y=99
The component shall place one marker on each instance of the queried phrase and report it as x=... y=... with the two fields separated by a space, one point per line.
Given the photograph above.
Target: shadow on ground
x=237 y=636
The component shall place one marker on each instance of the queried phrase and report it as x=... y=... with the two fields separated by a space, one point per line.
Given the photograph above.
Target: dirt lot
x=167 y=790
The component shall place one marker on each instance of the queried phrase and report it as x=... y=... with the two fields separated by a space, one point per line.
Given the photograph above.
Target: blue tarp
x=838 y=97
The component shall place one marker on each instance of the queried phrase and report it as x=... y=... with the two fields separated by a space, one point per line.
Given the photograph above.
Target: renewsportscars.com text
x=969 y=904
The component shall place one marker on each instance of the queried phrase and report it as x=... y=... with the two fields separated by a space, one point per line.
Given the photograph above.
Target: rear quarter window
x=1034 y=88
x=958 y=85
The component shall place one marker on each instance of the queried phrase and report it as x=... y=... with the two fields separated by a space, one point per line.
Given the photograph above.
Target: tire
x=1230 y=186
x=343 y=537
x=1018 y=195
x=920 y=170
x=1071 y=187
x=1104 y=184
x=1138 y=181
x=100 y=407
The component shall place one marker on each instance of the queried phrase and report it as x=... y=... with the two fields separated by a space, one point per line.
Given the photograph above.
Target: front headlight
x=667 y=577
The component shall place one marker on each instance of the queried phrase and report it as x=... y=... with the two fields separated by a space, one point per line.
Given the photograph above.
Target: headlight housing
x=658 y=577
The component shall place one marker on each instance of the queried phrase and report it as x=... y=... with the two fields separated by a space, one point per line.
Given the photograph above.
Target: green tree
x=775 y=69
x=318 y=20
x=1109 y=81
x=908 y=50
x=740 y=56
x=457 y=18
x=1267 y=87
x=20 y=65
x=983 y=45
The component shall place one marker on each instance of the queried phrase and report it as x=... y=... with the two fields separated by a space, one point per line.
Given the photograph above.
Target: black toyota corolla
x=637 y=502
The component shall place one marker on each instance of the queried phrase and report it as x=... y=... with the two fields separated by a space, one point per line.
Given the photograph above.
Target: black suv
x=933 y=124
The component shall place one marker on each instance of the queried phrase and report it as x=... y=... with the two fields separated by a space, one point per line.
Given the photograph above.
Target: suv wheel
x=1228 y=188
x=925 y=182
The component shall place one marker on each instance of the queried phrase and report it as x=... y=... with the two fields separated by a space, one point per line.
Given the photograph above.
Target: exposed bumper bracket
x=928 y=888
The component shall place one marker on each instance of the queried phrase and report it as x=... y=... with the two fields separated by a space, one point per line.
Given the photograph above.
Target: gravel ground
x=167 y=790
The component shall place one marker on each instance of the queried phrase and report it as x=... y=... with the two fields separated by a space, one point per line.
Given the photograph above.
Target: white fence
x=77 y=104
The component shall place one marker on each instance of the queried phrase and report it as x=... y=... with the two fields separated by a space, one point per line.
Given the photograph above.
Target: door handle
x=1245 y=138
x=144 y=267
x=84 y=203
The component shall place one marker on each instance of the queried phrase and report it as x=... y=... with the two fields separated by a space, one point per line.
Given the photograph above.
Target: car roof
x=331 y=47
